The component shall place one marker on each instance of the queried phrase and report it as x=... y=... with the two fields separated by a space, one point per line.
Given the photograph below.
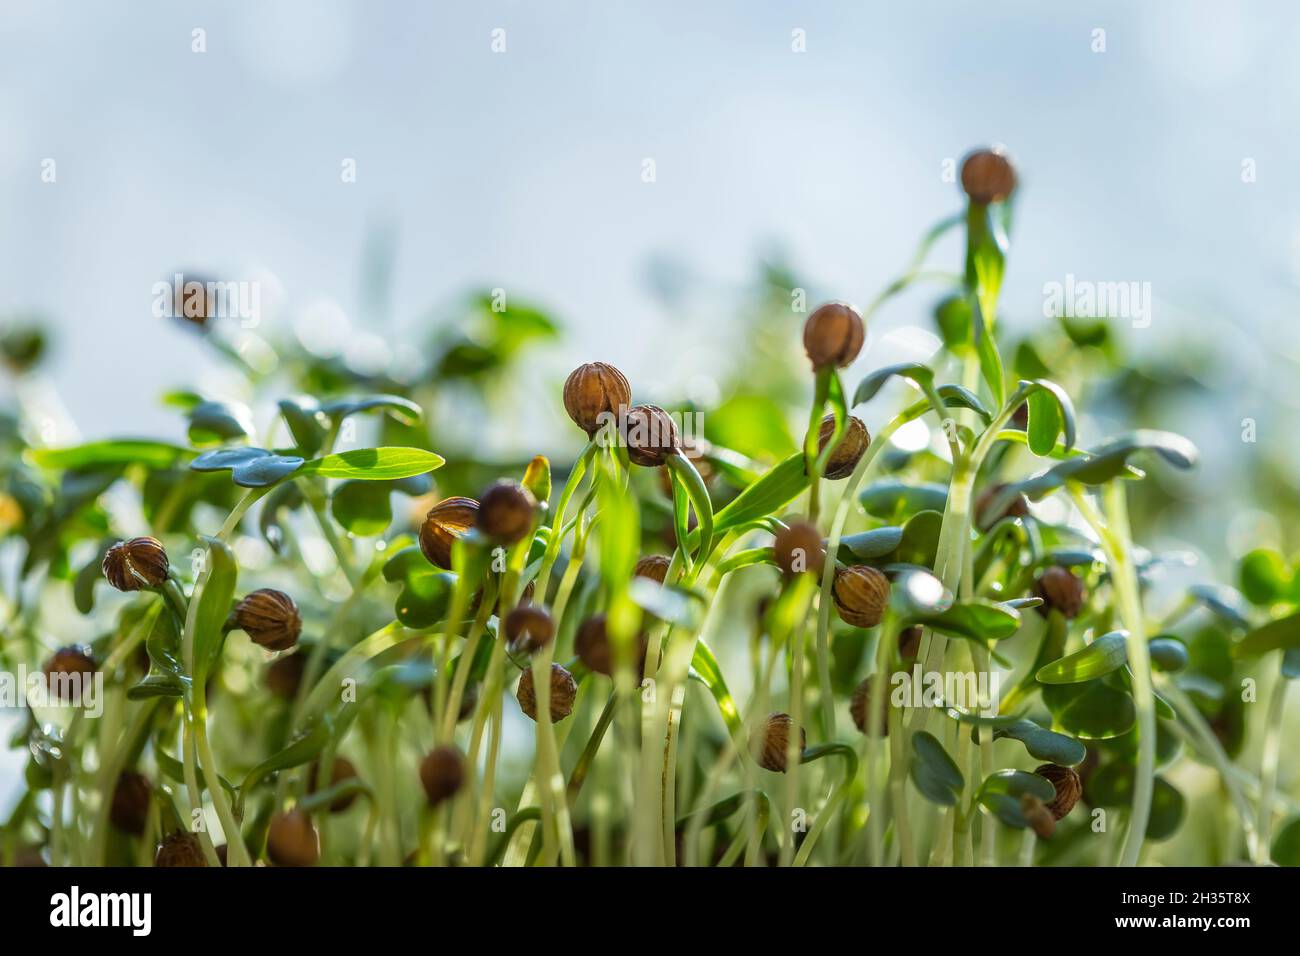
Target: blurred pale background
x=522 y=170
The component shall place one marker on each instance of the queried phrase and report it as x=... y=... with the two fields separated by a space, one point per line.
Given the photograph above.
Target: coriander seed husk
x=1061 y=590
x=770 y=742
x=1040 y=818
x=986 y=517
x=650 y=435
x=529 y=628
x=446 y=522
x=442 y=772
x=291 y=839
x=25 y=857
x=987 y=176
x=284 y=675
x=861 y=595
x=192 y=303
x=68 y=670
x=909 y=642
x=341 y=770
x=652 y=566
x=129 y=809
x=139 y=562
x=833 y=336
x=859 y=709
x=563 y=690
x=179 y=849
x=1068 y=786
x=592 y=645
x=848 y=450
x=525 y=597
x=799 y=548
x=270 y=618
x=506 y=511
x=596 y=395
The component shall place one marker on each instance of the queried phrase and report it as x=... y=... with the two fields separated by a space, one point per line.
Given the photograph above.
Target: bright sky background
x=522 y=169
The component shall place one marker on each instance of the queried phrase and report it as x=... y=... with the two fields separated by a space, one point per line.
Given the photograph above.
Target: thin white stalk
x=1116 y=544
x=1268 y=766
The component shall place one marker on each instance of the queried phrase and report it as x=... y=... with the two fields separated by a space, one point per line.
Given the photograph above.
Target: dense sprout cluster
x=313 y=650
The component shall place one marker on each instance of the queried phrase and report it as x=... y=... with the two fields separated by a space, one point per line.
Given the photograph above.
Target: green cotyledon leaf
x=375 y=464
x=1106 y=654
x=1038 y=741
x=934 y=773
x=122 y=451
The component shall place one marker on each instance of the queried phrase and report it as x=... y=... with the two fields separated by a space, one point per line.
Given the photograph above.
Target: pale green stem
x=345 y=559
x=897 y=789
x=390 y=635
x=1028 y=840
x=793 y=748
x=478 y=839
x=196 y=723
x=1269 y=760
x=886 y=640
x=674 y=676
x=552 y=552
x=1115 y=543
x=196 y=794
x=837 y=796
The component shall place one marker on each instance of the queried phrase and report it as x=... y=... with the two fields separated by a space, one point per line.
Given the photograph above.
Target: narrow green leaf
x=151 y=454
x=1283 y=632
x=1107 y=653
x=957 y=396
x=921 y=375
x=765 y=496
x=705 y=669
x=174 y=770
x=374 y=464
x=215 y=599
x=304 y=749
x=978 y=620
x=401 y=409
x=991 y=367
